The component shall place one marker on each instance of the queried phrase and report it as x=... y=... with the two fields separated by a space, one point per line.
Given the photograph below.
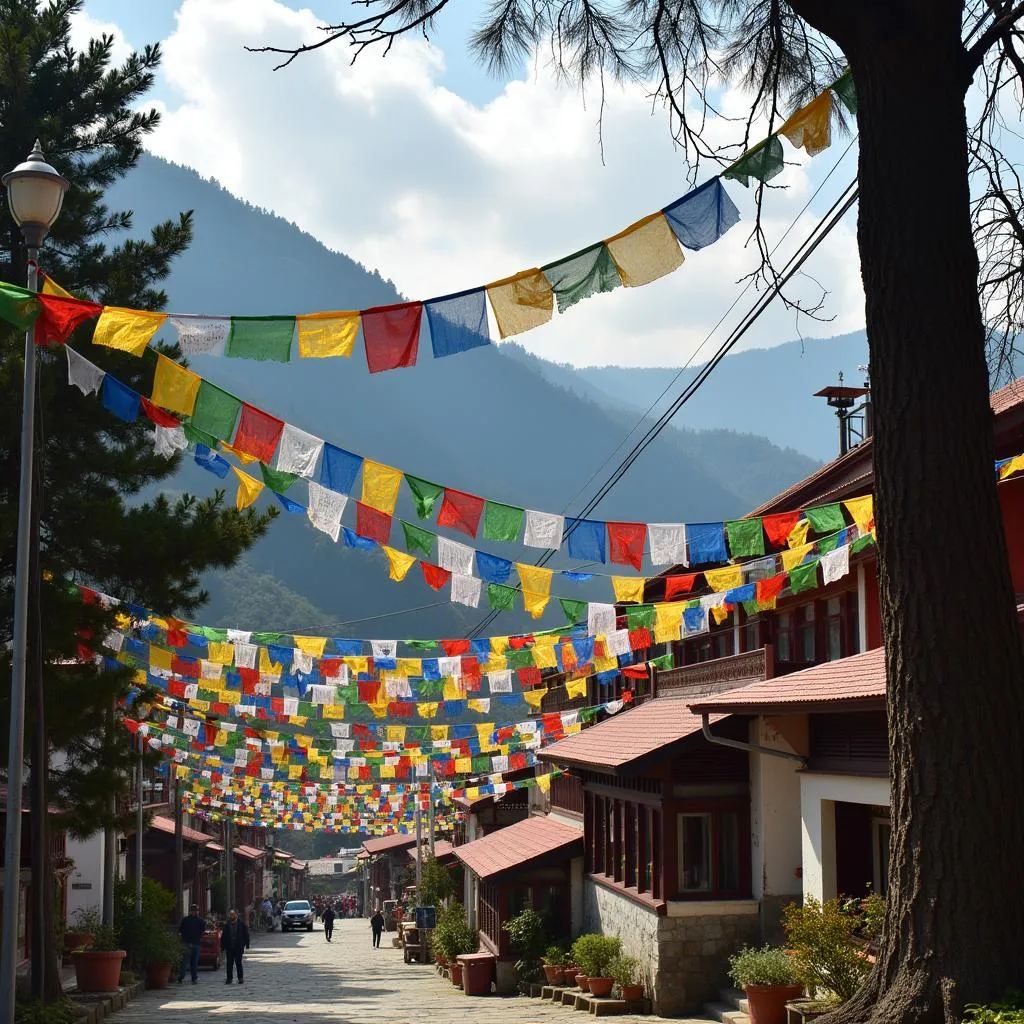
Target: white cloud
x=84 y=27
x=381 y=162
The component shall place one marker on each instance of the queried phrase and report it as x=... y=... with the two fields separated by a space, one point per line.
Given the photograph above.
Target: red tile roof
x=297 y=865
x=856 y=680
x=214 y=847
x=394 y=841
x=248 y=852
x=163 y=824
x=629 y=736
x=442 y=850
x=1006 y=398
x=519 y=845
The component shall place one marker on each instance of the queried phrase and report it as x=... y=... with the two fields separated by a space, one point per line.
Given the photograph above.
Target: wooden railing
x=716 y=676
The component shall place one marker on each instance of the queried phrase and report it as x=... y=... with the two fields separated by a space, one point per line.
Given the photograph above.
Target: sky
x=423 y=166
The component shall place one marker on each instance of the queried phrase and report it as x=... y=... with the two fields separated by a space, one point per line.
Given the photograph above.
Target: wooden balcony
x=716 y=676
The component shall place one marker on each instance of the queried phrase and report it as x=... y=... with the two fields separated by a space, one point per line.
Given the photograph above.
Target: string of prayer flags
x=128 y=330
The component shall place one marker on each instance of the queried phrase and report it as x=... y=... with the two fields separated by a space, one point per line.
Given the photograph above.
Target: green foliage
x=821 y=938
x=219 y=895
x=625 y=970
x=1010 y=1010
x=554 y=956
x=156 y=945
x=437 y=885
x=453 y=935
x=143 y=937
x=104 y=939
x=872 y=909
x=86 y=919
x=35 y=1011
x=769 y=965
x=593 y=954
x=528 y=933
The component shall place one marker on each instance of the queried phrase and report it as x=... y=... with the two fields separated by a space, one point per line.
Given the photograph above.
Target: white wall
x=88 y=857
x=818 y=797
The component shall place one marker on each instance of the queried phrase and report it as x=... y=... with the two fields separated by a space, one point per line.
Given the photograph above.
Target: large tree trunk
x=954 y=928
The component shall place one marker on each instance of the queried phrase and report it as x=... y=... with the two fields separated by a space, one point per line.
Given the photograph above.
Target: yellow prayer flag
x=477 y=705
x=128 y=330
x=724 y=579
x=357 y=664
x=544 y=657
x=606 y=663
x=792 y=558
x=438 y=732
x=495 y=663
x=409 y=667
x=159 y=658
x=534 y=697
x=576 y=688
x=668 y=620
x=535 y=603
x=387 y=771
x=499 y=644
x=311 y=645
x=399 y=563
x=295 y=771
x=798 y=535
x=174 y=387
x=862 y=511
x=453 y=689
x=463 y=765
x=380 y=486
x=628 y=589
x=266 y=665
x=222 y=654
x=181 y=771
x=521 y=302
x=244 y=457
x=810 y=127
x=720 y=614
x=335 y=711
x=326 y=771
x=1015 y=465
x=645 y=251
x=472 y=792
x=199 y=705
x=544 y=782
x=249 y=489
x=536 y=584
x=50 y=287
x=327 y=334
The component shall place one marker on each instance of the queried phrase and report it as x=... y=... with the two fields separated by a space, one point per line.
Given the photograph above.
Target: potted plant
x=159 y=952
x=568 y=970
x=84 y=923
x=453 y=937
x=626 y=972
x=553 y=958
x=606 y=949
x=528 y=936
x=585 y=958
x=769 y=978
x=822 y=939
x=98 y=967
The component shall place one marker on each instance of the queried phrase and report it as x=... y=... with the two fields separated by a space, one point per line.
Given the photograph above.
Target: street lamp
x=35 y=193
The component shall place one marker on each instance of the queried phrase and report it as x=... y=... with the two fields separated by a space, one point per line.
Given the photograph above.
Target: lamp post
x=35 y=193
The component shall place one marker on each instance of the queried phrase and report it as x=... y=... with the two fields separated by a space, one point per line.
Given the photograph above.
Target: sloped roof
x=1008 y=397
x=248 y=852
x=163 y=824
x=520 y=845
x=631 y=735
x=443 y=850
x=853 y=682
x=392 y=841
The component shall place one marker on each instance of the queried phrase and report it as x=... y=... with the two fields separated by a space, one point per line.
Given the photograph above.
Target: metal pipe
x=16 y=740
x=179 y=849
x=430 y=813
x=229 y=864
x=724 y=741
x=419 y=848
x=138 y=834
x=109 y=836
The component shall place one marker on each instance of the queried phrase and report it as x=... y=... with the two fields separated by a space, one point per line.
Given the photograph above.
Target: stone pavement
x=299 y=977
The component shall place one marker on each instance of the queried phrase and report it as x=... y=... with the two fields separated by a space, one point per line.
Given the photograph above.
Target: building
x=386 y=867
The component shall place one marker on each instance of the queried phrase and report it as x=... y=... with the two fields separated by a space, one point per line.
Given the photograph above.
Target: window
x=723 y=643
x=694 y=852
x=751 y=634
x=729 y=851
x=881 y=837
x=806 y=632
x=784 y=637
x=834 y=629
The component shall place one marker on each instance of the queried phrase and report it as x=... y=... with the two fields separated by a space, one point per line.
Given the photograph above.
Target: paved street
x=301 y=977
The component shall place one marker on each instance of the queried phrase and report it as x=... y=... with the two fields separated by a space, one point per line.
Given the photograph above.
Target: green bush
x=528 y=933
x=554 y=956
x=769 y=965
x=821 y=938
x=1009 y=1011
x=453 y=935
x=141 y=936
x=85 y=920
x=593 y=954
x=157 y=946
x=437 y=885
x=35 y=1011
x=625 y=970
x=105 y=939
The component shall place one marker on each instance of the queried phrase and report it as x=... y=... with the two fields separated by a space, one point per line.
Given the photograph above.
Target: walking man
x=377 y=925
x=191 y=931
x=234 y=940
x=328 y=916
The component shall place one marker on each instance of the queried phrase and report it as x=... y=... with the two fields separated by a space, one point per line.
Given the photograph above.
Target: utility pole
x=229 y=863
x=138 y=833
x=110 y=837
x=430 y=812
x=419 y=849
x=179 y=846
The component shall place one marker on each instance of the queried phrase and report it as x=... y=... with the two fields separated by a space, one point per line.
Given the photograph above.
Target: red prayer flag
x=453 y=647
x=639 y=639
x=177 y=638
x=635 y=672
x=461 y=511
x=59 y=316
x=391 y=335
x=768 y=590
x=435 y=576
x=330 y=667
x=778 y=528
x=626 y=543
x=258 y=433
x=528 y=675
x=372 y=523
x=518 y=642
x=158 y=416
x=675 y=585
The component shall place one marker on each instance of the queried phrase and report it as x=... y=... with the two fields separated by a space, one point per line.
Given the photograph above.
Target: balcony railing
x=717 y=676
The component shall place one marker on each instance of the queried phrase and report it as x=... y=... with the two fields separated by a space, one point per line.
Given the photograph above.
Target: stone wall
x=607 y=912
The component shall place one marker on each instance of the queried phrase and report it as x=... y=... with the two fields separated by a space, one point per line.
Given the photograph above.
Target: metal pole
x=229 y=864
x=179 y=848
x=419 y=849
x=430 y=814
x=138 y=835
x=16 y=757
x=110 y=837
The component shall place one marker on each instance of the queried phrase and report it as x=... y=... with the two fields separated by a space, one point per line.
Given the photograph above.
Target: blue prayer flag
x=707 y=543
x=740 y=594
x=120 y=399
x=212 y=462
x=288 y=505
x=703 y=215
x=491 y=568
x=348 y=648
x=353 y=540
x=458 y=322
x=577 y=577
x=338 y=469
x=584 y=650
x=586 y=539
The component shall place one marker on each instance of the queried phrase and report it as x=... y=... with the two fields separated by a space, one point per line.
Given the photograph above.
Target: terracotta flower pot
x=456 y=968
x=632 y=993
x=158 y=975
x=601 y=987
x=76 y=940
x=768 y=1002
x=98 y=970
x=552 y=973
x=581 y=982
x=566 y=975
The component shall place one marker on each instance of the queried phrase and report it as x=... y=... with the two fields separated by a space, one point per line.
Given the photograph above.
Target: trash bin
x=477 y=973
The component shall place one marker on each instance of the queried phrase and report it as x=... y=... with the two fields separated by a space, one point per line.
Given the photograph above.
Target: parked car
x=297 y=914
x=210 y=954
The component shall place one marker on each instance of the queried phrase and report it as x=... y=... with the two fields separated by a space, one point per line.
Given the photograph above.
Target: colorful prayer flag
x=339 y=469
x=380 y=486
x=762 y=163
x=628 y=589
x=399 y=563
x=626 y=543
x=645 y=251
x=59 y=316
x=458 y=322
x=460 y=511
x=258 y=433
x=521 y=302
x=584 y=273
x=175 y=387
x=249 y=489
x=746 y=539
x=372 y=523
x=261 y=337
x=702 y=216
x=810 y=127
x=322 y=335
x=215 y=411
x=127 y=330
x=391 y=335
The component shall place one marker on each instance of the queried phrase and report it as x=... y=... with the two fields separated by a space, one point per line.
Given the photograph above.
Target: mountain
x=488 y=421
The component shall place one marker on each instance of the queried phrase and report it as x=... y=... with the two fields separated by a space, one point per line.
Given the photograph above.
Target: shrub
x=625 y=970
x=436 y=884
x=157 y=946
x=453 y=935
x=593 y=953
x=528 y=934
x=1009 y=1011
x=104 y=939
x=35 y=1011
x=769 y=965
x=821 y=938
x=554 y=956
x=85 y=920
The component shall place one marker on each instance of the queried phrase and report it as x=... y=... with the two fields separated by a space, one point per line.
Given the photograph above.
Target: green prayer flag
x=827 y=544
x=746 y=538
x=500 y=597
x=421 y=645
x=762 y=162
x=425 y=494
x=844 y=88
x=523 y=658
x=804 y=577
x=211 y=695
x=213 y=633
x=215 y=411
x=861 y=543
x=196 y=436
x=640 y=616
x=502 y=522
x=572 y=610
x=751 y=607
x=584 y=273
x=261 y=337
x=663 y=663
x=277 y=480
x=265 y=638
x=307 y=709
x=431 y=687
x=826 y=518
x=481 y=763
x=18 y=306
x=418 y=539
x=587 y=715
x=418 y=733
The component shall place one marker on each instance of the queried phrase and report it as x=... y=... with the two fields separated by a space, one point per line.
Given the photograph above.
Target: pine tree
x=103 y=522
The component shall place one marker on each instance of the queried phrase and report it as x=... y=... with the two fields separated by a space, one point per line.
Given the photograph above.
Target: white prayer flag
x=617 y=642
x=167 y=441
x=465 y=589
x=450 y=667
x=245 y=655
x=835 y=564
x=85 y=376
x=668 y=543
x=500 y=682
x=600 y=619
x=384 y=649
x=455 y=557
x=239 y=636
x=325 y=509
x=299 y=451
x=202 y=335
x=543 y=530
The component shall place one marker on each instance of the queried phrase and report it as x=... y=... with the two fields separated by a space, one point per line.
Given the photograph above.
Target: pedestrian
x=234 y=940
x=328 y=916
x=191 y=932
x=377 y=925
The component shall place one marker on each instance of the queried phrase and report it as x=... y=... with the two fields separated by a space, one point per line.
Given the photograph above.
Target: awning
x=162 y=824
x=297 y=865
x=249 y=852
x=214 y=847
x=521 y=846
x=444 y=852
x=394 y=841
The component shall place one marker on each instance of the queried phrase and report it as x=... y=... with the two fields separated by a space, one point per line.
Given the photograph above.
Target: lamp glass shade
x=35 y=198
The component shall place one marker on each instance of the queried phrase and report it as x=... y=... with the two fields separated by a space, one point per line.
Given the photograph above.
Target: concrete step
x=736 y=998
x=726 y=1013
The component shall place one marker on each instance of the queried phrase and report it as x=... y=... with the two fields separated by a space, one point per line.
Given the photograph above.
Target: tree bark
x=954 y=925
